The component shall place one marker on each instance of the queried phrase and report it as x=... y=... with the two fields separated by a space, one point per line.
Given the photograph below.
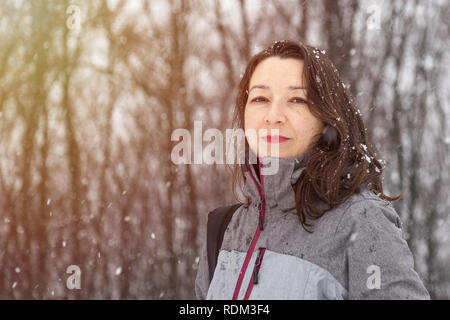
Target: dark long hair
x=342 y=160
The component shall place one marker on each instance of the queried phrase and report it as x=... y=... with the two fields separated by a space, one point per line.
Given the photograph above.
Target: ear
x=330 y=138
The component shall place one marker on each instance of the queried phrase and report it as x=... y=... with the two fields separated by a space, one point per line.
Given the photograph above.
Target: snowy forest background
x=91 y=90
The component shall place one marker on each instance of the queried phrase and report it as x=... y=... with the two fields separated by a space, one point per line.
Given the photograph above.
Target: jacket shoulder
x=370 y=233
x=366 y=207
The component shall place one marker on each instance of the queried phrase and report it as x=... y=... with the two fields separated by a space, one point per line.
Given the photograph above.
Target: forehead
x=278 y=72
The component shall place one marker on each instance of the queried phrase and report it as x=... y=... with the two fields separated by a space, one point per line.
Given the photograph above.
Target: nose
x=275 y=115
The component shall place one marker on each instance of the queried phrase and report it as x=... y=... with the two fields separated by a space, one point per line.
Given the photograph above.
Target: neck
x=279 y=177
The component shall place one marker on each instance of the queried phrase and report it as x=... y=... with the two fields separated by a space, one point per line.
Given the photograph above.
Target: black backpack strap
x=218 y=221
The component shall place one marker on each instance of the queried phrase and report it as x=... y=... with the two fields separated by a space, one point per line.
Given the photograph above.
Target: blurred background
x=91 y=91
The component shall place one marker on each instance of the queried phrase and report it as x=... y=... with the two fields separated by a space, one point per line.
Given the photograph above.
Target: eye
x=298 y=100
x=259 y=99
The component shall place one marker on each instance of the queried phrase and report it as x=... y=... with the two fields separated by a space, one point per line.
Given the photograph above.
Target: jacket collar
x=279 y=178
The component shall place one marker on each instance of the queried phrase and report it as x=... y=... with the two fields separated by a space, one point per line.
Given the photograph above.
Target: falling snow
x=318 y=79
x=364 y=147
x=353 y=236
x=122 y=235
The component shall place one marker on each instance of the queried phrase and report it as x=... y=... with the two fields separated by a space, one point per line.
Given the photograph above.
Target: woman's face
x=276 y=100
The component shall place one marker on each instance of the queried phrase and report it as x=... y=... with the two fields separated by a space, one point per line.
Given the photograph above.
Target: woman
x=321 y=226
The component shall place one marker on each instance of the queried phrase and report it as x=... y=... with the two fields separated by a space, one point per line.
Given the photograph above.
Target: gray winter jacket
x=356 y=250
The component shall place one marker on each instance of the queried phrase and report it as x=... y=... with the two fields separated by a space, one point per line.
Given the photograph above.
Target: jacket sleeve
x=379 y=263
x=202 y=279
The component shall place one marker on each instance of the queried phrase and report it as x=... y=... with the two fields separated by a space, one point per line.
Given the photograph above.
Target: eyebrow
x=260 y=86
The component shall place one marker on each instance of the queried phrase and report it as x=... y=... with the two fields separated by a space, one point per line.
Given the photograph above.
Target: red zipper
x=254 y=279
x=254 y=240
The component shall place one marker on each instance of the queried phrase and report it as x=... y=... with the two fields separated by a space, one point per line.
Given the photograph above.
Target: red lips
x=275 y=139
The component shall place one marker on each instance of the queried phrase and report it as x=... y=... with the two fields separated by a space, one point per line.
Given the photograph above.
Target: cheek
x=308 y=126
x=246 y=120
x=251 y=126
x=250 y=120
x=317 y=125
